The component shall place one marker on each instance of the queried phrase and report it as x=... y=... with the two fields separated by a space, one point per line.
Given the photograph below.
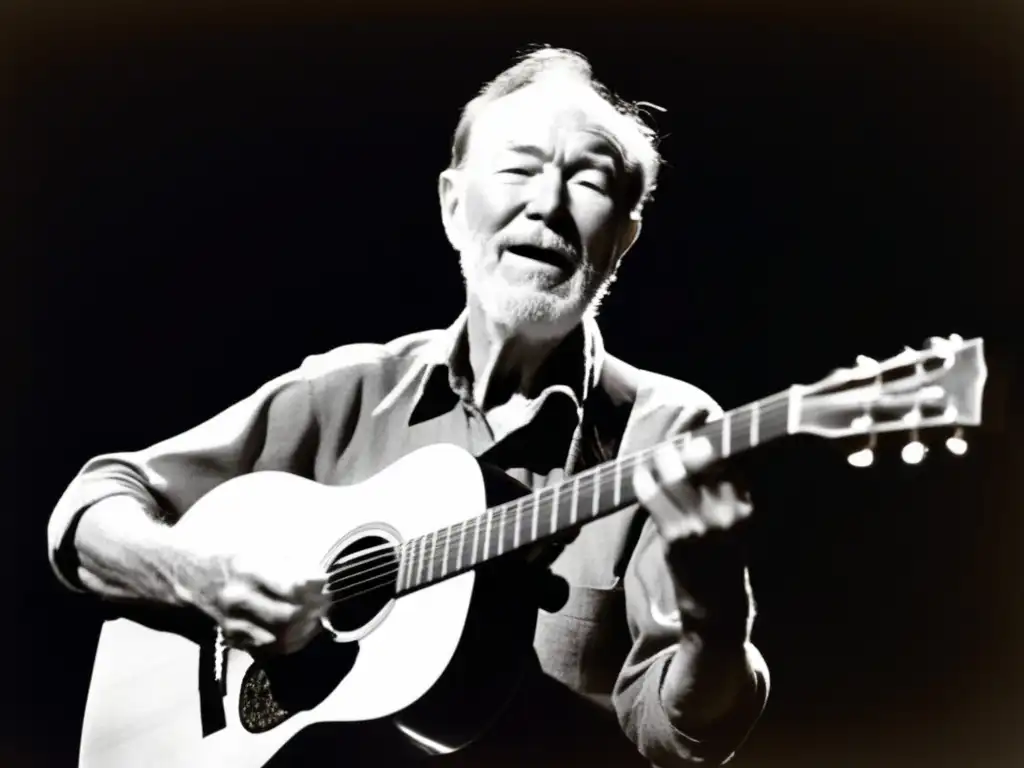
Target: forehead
x=557 y=112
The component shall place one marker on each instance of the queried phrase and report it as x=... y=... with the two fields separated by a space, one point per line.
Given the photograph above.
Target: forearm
x=706 y=682
x=124 y=554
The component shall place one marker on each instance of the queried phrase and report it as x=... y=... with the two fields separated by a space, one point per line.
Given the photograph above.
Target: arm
x=110 y=531
x=693 y=686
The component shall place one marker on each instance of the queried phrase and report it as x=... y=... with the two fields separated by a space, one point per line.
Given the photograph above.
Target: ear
x=449 y=192
x=630 y=233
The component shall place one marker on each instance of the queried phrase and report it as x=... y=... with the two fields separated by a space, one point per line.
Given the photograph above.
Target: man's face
x=536 y=212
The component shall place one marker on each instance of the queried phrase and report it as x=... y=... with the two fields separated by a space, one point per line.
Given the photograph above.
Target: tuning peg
x=865 y=457
x=914 y=452
x=956 y=444
x=945 y=342
x=863 y=361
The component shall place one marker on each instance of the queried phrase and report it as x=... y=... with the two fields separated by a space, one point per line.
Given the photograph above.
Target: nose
x=546 y=197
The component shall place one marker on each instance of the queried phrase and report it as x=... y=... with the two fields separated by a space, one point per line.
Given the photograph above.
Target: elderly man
x=542 y=200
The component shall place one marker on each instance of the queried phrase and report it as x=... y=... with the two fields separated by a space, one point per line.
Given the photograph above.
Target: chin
x=533 y=312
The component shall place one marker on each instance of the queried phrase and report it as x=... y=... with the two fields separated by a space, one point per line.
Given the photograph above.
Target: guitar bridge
x=220 y=653
x=213 y=683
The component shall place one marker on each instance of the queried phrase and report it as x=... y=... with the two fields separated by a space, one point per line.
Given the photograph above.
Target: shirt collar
x=577 y=364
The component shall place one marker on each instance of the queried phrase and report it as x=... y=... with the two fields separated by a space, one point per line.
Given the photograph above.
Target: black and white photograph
x=522 y=385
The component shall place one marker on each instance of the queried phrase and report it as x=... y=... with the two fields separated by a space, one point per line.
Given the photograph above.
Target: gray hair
x=642 y=169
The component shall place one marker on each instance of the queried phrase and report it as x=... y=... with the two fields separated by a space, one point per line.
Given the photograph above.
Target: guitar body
x=428 y=671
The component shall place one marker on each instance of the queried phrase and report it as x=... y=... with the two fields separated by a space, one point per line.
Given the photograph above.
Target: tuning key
x=914 y=452
x=956 y=444
x=945 y=342
x=865 y=457
x=863 y=361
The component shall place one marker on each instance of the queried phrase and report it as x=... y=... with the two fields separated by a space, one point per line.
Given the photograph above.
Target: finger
x=670 y=520
x=689 y=420
x=672 y=477
x=697 y=455
x=290 y=589
x=299 y=635
x=723 y=507
x=243 y=601
x=243 y=634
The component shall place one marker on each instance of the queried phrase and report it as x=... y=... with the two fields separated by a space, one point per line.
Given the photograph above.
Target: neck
x=504 y=360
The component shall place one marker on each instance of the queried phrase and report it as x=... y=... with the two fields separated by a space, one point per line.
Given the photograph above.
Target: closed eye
x=596 y=182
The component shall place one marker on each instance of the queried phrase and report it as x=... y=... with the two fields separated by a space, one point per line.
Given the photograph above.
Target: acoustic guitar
x=430 y=630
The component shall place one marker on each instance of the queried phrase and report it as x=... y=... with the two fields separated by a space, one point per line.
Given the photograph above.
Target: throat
x=504 y=360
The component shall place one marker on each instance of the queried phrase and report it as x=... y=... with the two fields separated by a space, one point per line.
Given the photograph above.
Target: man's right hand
x=263 y=605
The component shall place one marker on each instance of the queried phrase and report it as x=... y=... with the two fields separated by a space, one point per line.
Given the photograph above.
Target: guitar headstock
x=939 y=386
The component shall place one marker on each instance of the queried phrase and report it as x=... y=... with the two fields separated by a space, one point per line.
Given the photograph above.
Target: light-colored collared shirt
x=347 y=414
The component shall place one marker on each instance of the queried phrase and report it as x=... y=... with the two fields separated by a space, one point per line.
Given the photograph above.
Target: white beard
x=529 y=305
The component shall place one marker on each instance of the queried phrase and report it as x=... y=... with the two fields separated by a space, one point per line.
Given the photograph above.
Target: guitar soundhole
x=362 y=582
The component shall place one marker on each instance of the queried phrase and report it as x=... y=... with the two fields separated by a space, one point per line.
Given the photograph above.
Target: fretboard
x=580 y=499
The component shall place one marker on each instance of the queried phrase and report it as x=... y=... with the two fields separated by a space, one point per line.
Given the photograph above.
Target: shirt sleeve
x=655 y=624
x=276 y=427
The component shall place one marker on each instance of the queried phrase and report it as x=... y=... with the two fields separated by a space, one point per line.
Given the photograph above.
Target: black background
x=194 y=201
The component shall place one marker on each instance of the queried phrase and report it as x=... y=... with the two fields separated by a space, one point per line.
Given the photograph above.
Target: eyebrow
x=602 y=149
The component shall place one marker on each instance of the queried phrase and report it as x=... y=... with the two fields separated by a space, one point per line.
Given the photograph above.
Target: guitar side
x=144 y=705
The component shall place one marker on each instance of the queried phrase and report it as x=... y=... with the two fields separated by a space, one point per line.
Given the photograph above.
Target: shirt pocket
x=584 y=644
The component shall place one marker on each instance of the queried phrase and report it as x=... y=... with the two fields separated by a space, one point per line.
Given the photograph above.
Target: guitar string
x=357 y=566
x=390 y=560
x=500 y=515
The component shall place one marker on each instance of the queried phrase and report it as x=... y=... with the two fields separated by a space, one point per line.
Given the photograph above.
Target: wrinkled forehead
x=557 y=113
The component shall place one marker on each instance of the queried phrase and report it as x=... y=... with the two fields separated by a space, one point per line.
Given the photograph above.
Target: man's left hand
x=695 y=508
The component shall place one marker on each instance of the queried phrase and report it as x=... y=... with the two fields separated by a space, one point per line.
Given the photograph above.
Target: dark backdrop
x=196 y=201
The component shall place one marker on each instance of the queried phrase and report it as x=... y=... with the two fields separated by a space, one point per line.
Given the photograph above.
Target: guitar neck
x=581 y=499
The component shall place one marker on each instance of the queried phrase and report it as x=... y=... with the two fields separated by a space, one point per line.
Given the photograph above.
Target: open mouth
x=543 y=255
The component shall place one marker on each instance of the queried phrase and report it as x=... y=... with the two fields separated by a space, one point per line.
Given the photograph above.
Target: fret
x=433 y=557
x=476 y=540
x=536 y=511
x=617 y=497
x=411 y=574
x=596 y=490
x=501 y=526
x=726 y=435
x=574 y=506
x=755 y=421
x=401 y=567
x=519 y=520
x=554 y=509
x=792 y=414
x=462 y=543
x=487 y=536
x=447 y=546
x=419 y=568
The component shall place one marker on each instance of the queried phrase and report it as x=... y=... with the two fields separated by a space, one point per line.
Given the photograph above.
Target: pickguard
x=275 y=689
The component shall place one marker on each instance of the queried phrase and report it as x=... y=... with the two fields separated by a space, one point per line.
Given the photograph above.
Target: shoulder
x=350 y=363
x=656 y=393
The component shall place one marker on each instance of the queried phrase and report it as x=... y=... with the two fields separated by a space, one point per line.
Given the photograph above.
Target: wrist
x=175 y=566
x=702 y=684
